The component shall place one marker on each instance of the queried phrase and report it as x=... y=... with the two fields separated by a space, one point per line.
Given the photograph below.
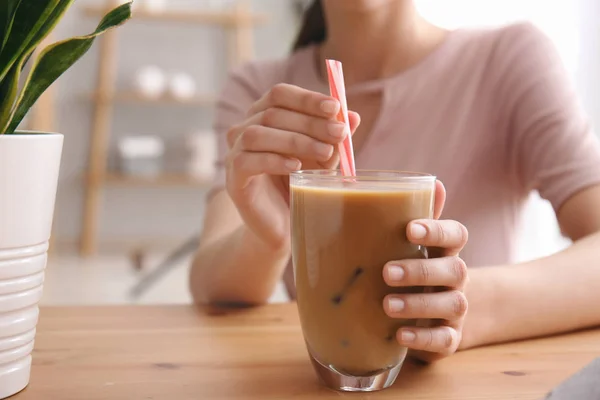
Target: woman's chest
x=369 y=107
x=452 y=137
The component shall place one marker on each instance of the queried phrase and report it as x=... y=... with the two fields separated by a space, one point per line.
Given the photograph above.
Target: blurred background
x=136 y=113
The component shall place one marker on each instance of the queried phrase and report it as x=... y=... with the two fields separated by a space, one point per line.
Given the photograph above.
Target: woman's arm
x=552 y=150
x=555 y=294
x=232 y=265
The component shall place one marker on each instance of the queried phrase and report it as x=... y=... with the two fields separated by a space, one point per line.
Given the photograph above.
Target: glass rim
x=363 y=175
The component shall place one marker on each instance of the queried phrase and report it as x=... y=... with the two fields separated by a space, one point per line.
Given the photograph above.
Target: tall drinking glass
x=344 y=230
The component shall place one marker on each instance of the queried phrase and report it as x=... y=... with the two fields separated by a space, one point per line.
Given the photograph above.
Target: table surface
x=180 y=353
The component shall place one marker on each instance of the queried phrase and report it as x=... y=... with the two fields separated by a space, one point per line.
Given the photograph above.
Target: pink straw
x=338 y=90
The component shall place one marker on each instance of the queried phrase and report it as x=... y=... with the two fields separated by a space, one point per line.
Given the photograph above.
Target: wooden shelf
x=227 y=18
x=237 y=24
x=134 y=97
x=161 y=180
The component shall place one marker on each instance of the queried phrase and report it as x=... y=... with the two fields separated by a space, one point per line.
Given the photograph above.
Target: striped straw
x=338 y=90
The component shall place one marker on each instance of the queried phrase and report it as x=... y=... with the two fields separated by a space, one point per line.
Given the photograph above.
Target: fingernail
x=395 y=305
x=395 y=272
x=292 y=165
x=418 y=231
x=407 y=336
x=323 y=150
x=329 y=106
x=336 y=130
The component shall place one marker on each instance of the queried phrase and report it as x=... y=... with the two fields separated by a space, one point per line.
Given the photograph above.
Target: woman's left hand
x=447 y=272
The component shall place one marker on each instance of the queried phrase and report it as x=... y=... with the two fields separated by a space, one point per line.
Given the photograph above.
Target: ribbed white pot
x=29 y=165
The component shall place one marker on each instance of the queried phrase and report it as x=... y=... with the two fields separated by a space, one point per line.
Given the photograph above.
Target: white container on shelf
x=182 y=86
x=155 y=6
x=203 y=155
x=141 y=155
x=150 y=81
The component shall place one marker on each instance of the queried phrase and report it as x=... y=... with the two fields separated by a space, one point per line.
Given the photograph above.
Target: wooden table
x=180 y=353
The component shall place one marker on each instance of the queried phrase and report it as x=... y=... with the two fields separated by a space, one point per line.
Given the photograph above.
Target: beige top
x=490 y=112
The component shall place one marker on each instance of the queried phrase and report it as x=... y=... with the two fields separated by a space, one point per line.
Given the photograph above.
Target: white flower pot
x=29 y=165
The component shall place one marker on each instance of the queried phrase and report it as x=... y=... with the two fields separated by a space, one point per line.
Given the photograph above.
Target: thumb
x=354 y=118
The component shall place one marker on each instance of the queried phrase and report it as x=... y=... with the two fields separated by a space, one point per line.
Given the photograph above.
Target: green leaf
x=33 y=21
x=7 y=13
x=28 y=19
x=8 y=93
x=59 y=57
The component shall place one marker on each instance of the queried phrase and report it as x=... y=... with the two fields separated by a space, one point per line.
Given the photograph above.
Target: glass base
x=336 y=380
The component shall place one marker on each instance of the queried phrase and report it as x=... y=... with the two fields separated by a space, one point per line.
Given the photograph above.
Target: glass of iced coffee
x=344 y=230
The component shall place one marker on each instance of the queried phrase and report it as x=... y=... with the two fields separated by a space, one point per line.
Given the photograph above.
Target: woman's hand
x=445 y=276
x=287 y=129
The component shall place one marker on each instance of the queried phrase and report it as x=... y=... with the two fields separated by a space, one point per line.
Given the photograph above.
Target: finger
x=447 y=271
x=294 y=98
x=244 y=165
x=447 y=234
x=443 y=340
x=448 y=305
x=335 y=159
x=257 y=138
x=328 y=131
x=354 y=119
x=440 y=199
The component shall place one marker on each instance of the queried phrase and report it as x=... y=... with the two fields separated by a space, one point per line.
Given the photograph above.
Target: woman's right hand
x=289 y=128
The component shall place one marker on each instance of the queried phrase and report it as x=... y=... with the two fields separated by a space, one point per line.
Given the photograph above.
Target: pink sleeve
x=243 y=87
x=551 y=142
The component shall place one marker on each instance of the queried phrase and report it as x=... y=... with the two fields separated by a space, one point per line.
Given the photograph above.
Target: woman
x=490 y=112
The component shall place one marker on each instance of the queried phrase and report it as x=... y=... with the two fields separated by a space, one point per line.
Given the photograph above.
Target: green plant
x=23 y=26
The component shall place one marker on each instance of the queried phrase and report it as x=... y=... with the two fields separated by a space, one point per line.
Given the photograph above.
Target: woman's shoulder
x=515 y=42
x=524 y=38
x=509 y=55
x=515 y=32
